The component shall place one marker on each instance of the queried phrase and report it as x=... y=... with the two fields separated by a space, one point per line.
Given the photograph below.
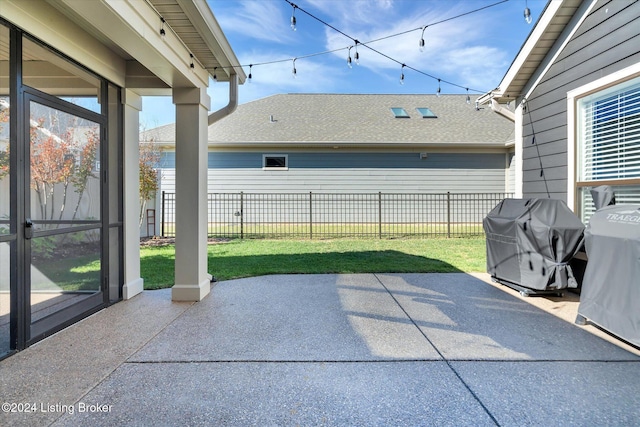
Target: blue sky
x=471 y=51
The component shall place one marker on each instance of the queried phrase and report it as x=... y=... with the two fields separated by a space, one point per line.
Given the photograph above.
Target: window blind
x=610 y=135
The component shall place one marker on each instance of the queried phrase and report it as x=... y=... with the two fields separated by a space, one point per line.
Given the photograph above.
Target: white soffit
x=131 y=28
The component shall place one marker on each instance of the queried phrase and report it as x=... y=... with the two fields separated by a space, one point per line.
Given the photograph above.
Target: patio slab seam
x=455 y=372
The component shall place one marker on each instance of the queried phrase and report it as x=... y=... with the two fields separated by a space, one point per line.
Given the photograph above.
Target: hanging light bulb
x=349 y=64
x=438 y=92
x=468 y=97
x=293 y=70
x=162 y=31
x=402 y=74
x=421 y=44
x=215 y=76
x=293 y=17
x=250 y=66
x=527 y=13
x=357 y=55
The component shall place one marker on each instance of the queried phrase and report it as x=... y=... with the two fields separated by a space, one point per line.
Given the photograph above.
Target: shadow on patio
x=329 y=349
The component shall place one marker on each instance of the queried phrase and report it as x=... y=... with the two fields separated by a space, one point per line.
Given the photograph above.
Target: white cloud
x=454 y=50
x=261 y=20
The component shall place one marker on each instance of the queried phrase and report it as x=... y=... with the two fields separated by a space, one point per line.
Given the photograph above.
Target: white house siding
x=351 y=172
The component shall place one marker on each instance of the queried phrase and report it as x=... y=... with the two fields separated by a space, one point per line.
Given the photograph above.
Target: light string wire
x=366 y=44
x=533 y=142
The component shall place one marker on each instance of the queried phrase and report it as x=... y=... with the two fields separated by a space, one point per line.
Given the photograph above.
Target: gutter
x=233 y=101
x=496 y=107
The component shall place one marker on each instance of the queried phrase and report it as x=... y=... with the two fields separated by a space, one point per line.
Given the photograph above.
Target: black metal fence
x=326 y=215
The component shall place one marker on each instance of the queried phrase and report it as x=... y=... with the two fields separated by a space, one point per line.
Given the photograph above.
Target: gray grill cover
x=531 y=241
x=610 y=295
x=603 y=196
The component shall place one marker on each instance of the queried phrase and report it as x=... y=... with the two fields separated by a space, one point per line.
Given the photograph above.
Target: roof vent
x=271 y=119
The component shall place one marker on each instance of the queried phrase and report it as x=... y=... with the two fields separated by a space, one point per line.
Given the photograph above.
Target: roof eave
x=207 y=26
x=556 y=16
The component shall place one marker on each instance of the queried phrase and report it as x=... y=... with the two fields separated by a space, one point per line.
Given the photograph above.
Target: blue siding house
x=354 y=144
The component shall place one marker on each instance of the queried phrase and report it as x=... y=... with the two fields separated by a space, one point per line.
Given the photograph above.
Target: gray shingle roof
x=355 y=120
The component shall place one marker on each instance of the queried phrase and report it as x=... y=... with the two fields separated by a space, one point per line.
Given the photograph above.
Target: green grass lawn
x=246 y=258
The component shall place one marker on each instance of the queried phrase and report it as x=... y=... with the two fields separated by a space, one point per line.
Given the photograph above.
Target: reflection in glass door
x=62 y=214
x=7 y=239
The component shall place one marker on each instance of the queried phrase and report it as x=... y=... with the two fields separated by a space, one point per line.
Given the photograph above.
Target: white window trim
x=572 y=121
x=264 y=162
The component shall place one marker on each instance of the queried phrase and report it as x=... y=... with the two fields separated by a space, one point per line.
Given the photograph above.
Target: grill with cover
x=530 y=243
x=610 y=294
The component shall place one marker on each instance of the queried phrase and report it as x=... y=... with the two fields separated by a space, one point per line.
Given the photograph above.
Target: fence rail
x=325 y=215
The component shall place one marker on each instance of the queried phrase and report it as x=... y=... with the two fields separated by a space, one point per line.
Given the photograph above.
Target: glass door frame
x=110 y=118
x=66 y=316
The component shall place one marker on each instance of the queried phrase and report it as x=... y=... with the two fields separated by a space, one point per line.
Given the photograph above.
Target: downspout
x=224 y=112
x=233 y=101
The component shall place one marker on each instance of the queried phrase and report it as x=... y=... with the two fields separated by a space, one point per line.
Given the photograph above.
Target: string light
x=293 y=70
x=192 y=65
x=468 y=97
x=293 y=17
x=162 y=31
x=527 y=13
x=357 y=42
x=422 y=39
x=249 y=77
x=402 y=74
x=215 y=76
x=357 y=55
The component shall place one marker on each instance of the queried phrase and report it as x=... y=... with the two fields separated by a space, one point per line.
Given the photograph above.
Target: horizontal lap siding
x=352 y=173
x=607 y=41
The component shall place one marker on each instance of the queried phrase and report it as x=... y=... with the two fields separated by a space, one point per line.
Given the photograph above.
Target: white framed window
x=275 y=162
x=607 y=141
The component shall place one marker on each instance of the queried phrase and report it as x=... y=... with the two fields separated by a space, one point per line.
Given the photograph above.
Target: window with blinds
x=609 y=144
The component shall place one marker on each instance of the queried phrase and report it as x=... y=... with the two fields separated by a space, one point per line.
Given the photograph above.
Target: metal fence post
x=241 y=215
x=448 y=214
x=380 y=214
x=310 y=216
x=164 y=210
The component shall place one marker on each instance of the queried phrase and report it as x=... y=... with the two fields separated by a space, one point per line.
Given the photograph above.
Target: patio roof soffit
x=155 y=63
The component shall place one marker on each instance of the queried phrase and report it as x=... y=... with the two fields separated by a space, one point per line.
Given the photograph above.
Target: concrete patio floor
x=347 y=350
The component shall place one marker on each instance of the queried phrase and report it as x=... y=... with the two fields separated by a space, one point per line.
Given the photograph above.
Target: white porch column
x=519 y=150
x=133 y=283
x=192 y=282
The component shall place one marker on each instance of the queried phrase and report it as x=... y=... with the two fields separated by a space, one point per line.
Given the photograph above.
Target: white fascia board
x=525 y=51
x=550 y=58
x=540 y=28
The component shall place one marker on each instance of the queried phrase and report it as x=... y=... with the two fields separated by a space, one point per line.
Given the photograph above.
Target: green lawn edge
x=249 y=258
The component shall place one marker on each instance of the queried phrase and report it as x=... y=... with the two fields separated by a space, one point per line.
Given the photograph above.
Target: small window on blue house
x=400 y=113
x=426 y=113
x=275 y=161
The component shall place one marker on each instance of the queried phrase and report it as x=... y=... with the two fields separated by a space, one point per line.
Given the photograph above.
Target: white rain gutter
x=495 y=106
x=233 y=101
